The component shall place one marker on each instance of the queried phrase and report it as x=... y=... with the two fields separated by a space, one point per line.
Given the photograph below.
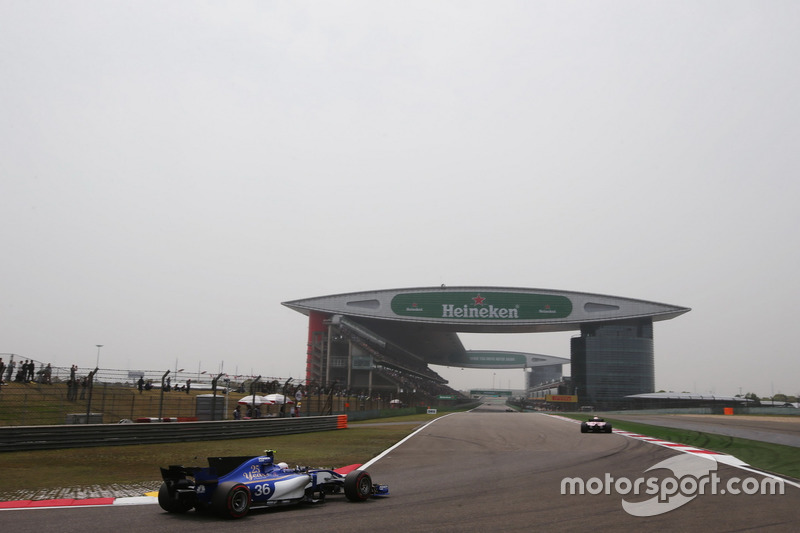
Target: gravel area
x=81 y=493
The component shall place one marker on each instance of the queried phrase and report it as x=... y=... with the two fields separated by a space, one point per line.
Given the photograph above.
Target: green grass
x=775 y=458
x=46 y=469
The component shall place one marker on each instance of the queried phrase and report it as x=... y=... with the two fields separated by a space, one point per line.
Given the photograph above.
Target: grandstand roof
x=425 y=321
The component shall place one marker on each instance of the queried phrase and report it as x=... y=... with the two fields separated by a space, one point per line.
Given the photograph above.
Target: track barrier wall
x=19 y=438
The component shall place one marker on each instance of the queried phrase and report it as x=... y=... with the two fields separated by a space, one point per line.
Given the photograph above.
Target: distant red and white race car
x=595 y=425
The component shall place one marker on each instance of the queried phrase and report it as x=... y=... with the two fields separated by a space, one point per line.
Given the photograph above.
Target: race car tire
x=231 y=500
x=169 y=504
x=357 y=486
x=608 y=428
x=584 y=427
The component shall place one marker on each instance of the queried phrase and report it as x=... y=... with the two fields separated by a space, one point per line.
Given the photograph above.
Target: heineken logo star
x=478 y=300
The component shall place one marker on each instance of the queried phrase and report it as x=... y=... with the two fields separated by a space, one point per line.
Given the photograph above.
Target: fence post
x=103 y=403
x=161 y=402
x=91 y=388
x=253 y=396
x=283 y=392
x=214 y=398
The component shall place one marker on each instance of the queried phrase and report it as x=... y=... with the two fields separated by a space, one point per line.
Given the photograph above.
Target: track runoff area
x=490 y=468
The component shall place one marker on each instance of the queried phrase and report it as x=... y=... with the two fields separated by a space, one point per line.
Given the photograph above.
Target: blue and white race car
x=231 y=486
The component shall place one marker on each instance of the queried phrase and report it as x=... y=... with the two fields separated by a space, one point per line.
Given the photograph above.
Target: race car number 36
x=261 y=490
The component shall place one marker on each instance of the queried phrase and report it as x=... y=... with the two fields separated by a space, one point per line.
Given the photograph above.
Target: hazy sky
x=170 y=172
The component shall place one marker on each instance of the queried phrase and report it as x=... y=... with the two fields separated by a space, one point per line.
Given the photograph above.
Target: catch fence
x=81 y=396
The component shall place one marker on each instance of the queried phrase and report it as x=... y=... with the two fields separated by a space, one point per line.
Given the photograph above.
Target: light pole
x=97 y=365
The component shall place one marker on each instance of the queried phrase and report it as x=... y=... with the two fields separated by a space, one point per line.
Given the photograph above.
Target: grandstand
x=384 y=341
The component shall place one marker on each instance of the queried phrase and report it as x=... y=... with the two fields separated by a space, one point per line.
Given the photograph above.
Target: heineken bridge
x=385 y=340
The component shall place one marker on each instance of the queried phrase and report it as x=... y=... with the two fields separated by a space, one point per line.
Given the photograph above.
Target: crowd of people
x=143 y=385
x=77 y=383
x=26 y=373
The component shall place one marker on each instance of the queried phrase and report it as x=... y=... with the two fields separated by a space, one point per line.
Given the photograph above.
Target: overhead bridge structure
x=384 y=339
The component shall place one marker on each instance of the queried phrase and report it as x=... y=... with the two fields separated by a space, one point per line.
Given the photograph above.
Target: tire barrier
x=19 y=438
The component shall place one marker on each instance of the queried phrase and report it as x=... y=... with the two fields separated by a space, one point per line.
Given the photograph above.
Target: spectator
x=22 y=373
x=140 y=384
x=10 y=370
x=72 y=384
x=188 y=385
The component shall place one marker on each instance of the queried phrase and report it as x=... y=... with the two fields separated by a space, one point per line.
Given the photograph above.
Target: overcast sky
x=170 y=172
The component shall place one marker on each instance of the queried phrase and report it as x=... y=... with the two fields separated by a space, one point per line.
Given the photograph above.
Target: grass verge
x=43 y=469
x=775 y=458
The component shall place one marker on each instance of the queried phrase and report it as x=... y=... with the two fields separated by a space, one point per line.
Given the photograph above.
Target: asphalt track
x=486 y=470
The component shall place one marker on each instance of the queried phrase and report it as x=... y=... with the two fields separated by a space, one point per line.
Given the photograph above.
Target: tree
x=753 y=396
